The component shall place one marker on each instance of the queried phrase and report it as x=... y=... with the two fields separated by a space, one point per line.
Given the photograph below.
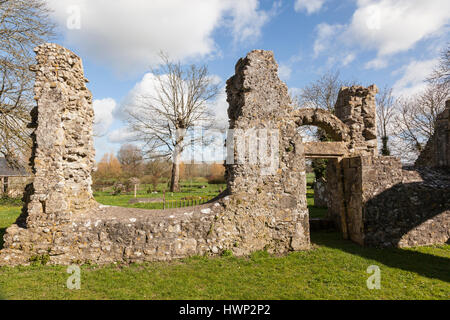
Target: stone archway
x=333 y=126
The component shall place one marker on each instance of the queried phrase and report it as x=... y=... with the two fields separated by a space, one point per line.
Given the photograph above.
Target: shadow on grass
x=2 y=233
x=424 y=264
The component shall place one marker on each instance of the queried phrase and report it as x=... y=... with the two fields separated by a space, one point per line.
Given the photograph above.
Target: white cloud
x=144 y=88
x=103 y=110
x=326 y=33
x=349 y=58
x=284 y=71
x=377 y=63
x=247 y=20
x=121 y=135
x=413 y=79
x=219 y=109
x=385 y=26
x=392 y=26
x=310 y=6
x=129 y=34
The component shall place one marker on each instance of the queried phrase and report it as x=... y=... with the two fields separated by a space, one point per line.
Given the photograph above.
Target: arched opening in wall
x=326 y=140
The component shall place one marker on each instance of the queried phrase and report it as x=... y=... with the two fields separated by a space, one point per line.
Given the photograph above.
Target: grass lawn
x=191 y=190
x=333 y=269
x=314 y=212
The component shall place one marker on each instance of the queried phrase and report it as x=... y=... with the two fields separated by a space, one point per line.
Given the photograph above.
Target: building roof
x=7 y=170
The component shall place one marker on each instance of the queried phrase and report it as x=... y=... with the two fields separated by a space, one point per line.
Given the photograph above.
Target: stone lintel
x=325 y=149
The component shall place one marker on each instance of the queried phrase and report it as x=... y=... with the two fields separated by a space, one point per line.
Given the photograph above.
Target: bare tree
x=416 y=119
x=23 y=25
x=162 y=120
x=130 y=157
x=385 y=115
x=441 y=73
x=323 y=92
x=157 y=170
x=15 y=102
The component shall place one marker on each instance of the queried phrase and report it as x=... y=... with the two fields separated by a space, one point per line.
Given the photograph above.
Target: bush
x=216 y=180
x=118 y=188
x=13 y=202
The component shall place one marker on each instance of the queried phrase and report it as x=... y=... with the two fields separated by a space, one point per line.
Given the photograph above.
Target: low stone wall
x=390 y=206
x=112 y=234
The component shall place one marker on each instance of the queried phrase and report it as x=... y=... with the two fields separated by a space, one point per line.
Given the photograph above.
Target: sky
x=394 y=43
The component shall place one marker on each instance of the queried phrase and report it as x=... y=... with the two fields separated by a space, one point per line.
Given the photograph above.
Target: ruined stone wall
x=373 y=199
x=390 y=206
x=264 y=209
x=437 y=150
x=356 y=107
x=258 y=100
x=63 y=148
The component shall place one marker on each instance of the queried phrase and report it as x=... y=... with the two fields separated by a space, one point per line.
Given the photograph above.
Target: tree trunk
x=174 y=182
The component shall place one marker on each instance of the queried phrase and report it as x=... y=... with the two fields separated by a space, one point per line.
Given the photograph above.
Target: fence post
x=164 y=200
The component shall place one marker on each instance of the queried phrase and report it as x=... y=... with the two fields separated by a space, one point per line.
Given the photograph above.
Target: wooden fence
x=182 y=203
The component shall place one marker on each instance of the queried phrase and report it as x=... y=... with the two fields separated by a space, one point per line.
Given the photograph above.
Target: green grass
x=333 y=269
x=310 y=177
x=8 y=215
x=188 y=189
x=314 y=212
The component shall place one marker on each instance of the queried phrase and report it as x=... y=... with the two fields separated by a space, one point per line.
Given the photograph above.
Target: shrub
x=216 y=180
x=13 y=202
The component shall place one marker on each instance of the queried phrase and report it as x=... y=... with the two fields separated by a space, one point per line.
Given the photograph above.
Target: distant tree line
x=130 y=163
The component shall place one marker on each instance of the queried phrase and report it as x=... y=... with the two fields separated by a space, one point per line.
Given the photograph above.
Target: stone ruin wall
x=437 y=150
x=258 y=99
x=61 y=220
x=392 y=206
x=355 y=109
x=63 y=149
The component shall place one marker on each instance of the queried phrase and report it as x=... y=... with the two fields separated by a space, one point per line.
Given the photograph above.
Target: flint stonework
x=371 y=199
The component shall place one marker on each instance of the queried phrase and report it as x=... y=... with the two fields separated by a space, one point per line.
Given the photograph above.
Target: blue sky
x=392 y=43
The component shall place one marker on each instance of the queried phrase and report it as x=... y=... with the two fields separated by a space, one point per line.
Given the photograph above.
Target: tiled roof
x=8 y=170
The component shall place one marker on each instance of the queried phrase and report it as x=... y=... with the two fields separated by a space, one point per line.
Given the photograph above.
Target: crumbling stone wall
x=335 y=128
x=354 y=126
x=258 y=100
x=437 y=150
x=60 y=220
x=63 y=148
x=356 y=107
x=387 y=205
x=373 y=199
